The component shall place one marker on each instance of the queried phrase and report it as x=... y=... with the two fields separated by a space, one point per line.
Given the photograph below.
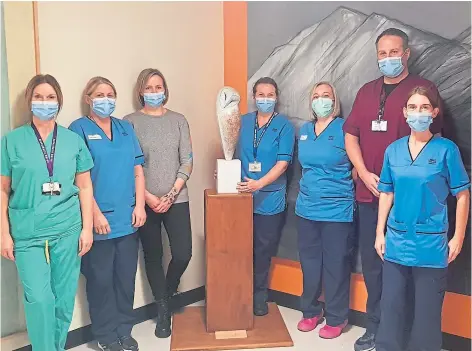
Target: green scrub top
x=35 y=217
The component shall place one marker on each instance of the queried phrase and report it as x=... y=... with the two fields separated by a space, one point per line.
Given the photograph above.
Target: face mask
x=265 y=105
x=391 y=67
x=44 y=110
x=419 y=121
x=322 y=107
x=154 y=99
x=103 y=107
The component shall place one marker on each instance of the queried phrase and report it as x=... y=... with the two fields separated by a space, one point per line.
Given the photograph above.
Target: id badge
x=255 y=167
x=53 y=188
x=379 y=125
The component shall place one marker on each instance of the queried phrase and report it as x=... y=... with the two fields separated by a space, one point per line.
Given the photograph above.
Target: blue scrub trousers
x=430 y=286
x=372 y=271
x=110 y=269
x=325 y=252
x=267 y=230
x=49 y=289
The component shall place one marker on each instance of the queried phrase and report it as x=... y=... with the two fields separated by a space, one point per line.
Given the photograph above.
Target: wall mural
x=340 y=49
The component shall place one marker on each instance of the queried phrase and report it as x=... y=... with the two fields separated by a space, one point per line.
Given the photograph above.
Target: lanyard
x=49 y=159
x=256 y=142
x=383 y=99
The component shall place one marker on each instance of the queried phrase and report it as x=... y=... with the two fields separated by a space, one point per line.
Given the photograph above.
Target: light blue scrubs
x=113 y=174
x=326 y=187
x=417 y=224
x=276 y=145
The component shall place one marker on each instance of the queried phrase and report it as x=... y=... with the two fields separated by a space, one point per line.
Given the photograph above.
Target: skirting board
x=83 y=335
x=450 y=342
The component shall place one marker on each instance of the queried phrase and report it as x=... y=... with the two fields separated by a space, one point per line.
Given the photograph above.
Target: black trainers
x=128 y=343
x=366 y=342
x=163 y=319
x=114 y=346
x=261 y=308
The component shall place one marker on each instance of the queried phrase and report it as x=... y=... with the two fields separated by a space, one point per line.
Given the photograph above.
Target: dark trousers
x=372 y=271
x=110 y=269
x=267 y=232
x=324 y=249
x=177 y=224
x=371 y=263
x=430 y=285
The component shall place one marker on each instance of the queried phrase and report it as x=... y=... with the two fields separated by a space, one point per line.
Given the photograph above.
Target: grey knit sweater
x=167 y=147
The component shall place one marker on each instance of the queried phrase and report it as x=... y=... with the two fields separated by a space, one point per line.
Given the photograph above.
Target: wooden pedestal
x=229 y=261
x=227 y=322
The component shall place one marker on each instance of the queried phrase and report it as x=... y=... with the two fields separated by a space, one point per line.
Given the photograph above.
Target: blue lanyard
x=256 y=142
x=49 y=159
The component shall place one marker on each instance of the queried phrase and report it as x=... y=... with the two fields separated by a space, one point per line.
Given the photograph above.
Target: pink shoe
x=308 y=324
x=329 y=332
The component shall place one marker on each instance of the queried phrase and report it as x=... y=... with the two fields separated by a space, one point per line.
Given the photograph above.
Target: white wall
x=117 y=40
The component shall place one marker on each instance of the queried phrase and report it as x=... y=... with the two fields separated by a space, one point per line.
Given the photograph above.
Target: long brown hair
x=43 y=79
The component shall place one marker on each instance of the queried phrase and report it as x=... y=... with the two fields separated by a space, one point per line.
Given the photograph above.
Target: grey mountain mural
x=341 y=49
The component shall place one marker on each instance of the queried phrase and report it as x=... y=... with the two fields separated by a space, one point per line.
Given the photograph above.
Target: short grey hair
x=337 y=105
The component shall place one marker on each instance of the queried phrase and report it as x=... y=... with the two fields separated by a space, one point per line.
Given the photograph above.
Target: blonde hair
x=142 y=80
x=92 y=84
x=43 y=79
x=337 y=106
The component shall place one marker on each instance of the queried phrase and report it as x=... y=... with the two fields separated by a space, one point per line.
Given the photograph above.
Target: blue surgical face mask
x=322 y=107
x=45 y=110
x=103 y=107
x=419 y=121
x=154 y=99
x=265 y=105
x=391 y=67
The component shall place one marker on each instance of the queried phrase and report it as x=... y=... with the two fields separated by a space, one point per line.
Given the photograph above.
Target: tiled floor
x=144 y=333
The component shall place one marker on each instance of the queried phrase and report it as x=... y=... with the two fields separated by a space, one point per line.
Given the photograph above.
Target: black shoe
x=366 y=342
x=163 y=319
x=261 y=308
x=114 y=346
x=175 y=303
x=129 y=343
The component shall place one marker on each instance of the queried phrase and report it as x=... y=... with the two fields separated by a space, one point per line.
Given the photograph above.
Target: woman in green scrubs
x=46 y=202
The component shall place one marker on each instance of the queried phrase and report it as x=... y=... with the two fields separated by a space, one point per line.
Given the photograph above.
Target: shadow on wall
x=20 y=111
x=341 y=49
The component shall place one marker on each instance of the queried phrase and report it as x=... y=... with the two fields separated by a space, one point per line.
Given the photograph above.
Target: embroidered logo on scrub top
x=331 y=137
x=274 y=129
x=303 y=137
x=432 y=161
x=94 y=137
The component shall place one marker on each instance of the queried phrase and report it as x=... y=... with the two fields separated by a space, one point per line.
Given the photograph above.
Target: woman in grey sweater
x=164 y=137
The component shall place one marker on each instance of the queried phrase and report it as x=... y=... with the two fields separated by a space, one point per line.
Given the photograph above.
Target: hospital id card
x=379 y=125
x=255 y=167
x=53 y=188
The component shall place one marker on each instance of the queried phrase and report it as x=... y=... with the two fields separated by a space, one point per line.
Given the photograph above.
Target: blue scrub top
x=113 y=174
x=275 y=145
x=326 y=187
x=417 y=224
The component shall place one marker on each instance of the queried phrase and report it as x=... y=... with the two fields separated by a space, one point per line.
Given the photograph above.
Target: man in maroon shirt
x=377 y=120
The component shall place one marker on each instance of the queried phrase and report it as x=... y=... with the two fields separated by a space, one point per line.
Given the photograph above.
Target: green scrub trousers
x=49 y=289
x=45 y=229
